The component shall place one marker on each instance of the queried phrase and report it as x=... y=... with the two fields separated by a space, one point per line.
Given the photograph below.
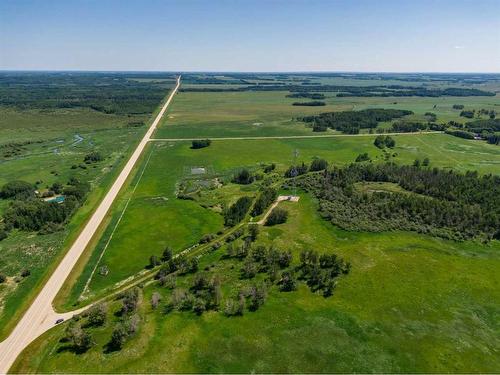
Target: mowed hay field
x=263 y=113
x=147 y=216
x=412 y=303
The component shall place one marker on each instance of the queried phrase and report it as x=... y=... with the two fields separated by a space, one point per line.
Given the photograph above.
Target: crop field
x=44 y=144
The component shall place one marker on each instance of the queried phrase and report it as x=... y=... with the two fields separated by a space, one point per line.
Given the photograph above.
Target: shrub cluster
x=236 y=212
x=200 y=143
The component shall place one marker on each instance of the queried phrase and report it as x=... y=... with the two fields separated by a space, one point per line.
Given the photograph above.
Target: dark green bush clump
x=93 y=157
x=277 y=216
x=318 y=165
x=296 y=170
x=200 y=143
x=17 y=190
x=264 y=200
x=362 y=157
x=383 y=141
x=234 y=214
x=460 y=133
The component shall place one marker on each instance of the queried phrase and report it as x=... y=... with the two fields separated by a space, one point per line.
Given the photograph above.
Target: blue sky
x=294 y=35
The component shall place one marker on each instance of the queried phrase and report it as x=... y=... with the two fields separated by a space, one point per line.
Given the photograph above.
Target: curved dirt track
x=41 y=316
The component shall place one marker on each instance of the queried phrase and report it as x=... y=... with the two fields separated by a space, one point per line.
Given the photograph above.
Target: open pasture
x=412 y=303
x=271 y=113
x=148 y=216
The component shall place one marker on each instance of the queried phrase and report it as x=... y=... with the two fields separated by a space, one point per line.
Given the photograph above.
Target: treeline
x=351 y=122
x=445 y=203
x=315 y=103
x=306 y=95
x=488 y=130
x=265 y=198
x=460 y=133
x=354 y=91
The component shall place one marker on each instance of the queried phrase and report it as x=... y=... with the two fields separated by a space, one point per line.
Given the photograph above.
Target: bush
x=458 y=106
x=17 y=189
x=318 y=165
x=97 y=314
x=243 y=177
x=468 y=114
x=384 y=141
x=277 y=216
x=200 y=143
x=118 y=337
x=3 y=278
x=25 y=272
x=237 y=211
x=296 y=170
x=264 y=200
x=362 y=157
x=93 y=157
x=269 y=168
x=288 y=282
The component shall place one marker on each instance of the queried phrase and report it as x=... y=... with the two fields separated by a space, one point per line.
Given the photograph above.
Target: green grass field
x=60 y=139
x=240 y=114
x=127 y=243
x=412 y=303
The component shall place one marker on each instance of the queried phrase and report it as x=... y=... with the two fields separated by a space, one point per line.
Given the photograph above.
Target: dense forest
x=352 y=121
x=120 y=93
x=443 y=203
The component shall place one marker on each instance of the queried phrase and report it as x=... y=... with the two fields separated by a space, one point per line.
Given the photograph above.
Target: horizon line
x=246 y=71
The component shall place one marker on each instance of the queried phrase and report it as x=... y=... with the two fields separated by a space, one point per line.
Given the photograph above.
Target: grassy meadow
x=126 y=244
x=412 y=303
x=264 y=114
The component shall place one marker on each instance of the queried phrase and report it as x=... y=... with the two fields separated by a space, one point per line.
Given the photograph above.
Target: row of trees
x=354 y=91
x=308 y=95
x=237 y=211
x=314 y=103
x=351 y=122
x=265 y=198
